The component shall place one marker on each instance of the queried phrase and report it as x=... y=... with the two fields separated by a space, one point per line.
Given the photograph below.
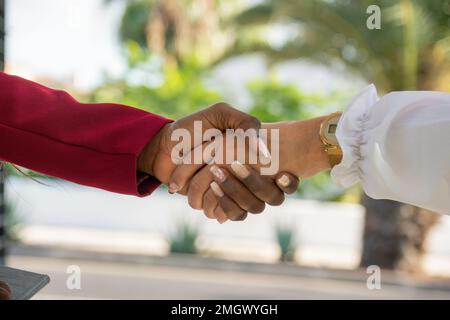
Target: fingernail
x=240 y=170
x=173 y=187
x=221 y=216
x=216 y=189
x=210 y=160
x=218 y=173
x=284 y=180
x=222 y=220
x=263 y=149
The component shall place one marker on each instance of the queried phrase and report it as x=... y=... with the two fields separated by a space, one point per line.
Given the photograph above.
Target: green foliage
x=184 y=237
x=179 y=30
x=168 y=89
x=134 y=21
x=274 y=101
x=286 y=238
x=12 y=170
x=171 y=90
x=411 y=51
x=320 y=187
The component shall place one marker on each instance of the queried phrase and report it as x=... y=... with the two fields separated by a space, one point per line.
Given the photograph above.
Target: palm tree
x=178 y=30
x=411 y=51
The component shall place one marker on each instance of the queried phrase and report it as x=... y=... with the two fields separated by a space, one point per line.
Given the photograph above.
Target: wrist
x=148 y=155
x=316 y=154
x=301 y=150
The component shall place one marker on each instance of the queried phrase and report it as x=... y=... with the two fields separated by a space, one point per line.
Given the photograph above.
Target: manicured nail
x=222 y=220
x=221 y=216
x=263 y=149
x=240 y=170
x=173 y=187
x=210 y=160
x=284 y=180
x=218 y=173
x=216 y=189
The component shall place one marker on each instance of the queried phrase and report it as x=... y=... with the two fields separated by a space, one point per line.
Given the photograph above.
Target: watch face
x=330 y=130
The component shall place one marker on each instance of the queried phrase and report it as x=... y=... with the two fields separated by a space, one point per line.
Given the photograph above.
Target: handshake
x=228 y=164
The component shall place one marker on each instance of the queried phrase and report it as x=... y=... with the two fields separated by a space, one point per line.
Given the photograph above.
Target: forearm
x=92 y=144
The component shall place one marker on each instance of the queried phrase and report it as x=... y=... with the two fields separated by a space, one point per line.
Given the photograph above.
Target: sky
x=76 y=41
x=65 y=39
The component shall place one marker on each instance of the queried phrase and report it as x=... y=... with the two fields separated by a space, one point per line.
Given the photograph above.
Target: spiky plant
x=286 y=240
x=183 y=238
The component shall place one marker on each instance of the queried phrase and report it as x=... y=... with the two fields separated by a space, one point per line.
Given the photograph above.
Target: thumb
x=222 y=116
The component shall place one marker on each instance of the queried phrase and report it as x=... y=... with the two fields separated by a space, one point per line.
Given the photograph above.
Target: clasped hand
x=227 y=186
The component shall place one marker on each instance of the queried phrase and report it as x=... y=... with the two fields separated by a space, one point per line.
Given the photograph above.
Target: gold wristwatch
x=327 y=134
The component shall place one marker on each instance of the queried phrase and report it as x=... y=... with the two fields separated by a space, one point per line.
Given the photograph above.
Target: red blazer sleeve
x=96 y=145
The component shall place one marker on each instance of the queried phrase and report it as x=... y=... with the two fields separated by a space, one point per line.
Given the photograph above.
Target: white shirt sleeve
x=398 y=147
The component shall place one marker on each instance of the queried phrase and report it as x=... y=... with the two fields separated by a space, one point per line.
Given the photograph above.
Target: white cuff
x=351 y=135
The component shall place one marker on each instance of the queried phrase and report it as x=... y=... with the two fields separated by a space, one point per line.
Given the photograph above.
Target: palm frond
x=258 y=14
x=393 y=57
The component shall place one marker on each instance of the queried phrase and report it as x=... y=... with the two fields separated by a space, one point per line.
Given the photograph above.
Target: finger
x=210 y=203
x=197 y=187
x=237 y=191
x=262 y=187
x=220 y=214
x=222 y=116
x=186 y=170
x=288 y=183
x=184 y=190
x=196 y=158
x=219 y=116
x=229 y=207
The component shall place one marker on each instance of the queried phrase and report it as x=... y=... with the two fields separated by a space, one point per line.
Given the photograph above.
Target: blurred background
x=276 y=59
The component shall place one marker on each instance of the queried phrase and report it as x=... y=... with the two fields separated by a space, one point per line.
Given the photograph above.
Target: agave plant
x=183 y=238
x=286 y=239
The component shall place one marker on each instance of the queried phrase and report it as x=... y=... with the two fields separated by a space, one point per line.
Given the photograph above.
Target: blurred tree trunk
x=176 y=33
x=168 y=30
x=394 y=234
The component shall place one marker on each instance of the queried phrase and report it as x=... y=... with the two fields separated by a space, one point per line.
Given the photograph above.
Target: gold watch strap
x=332 y=149
x=334 y=157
